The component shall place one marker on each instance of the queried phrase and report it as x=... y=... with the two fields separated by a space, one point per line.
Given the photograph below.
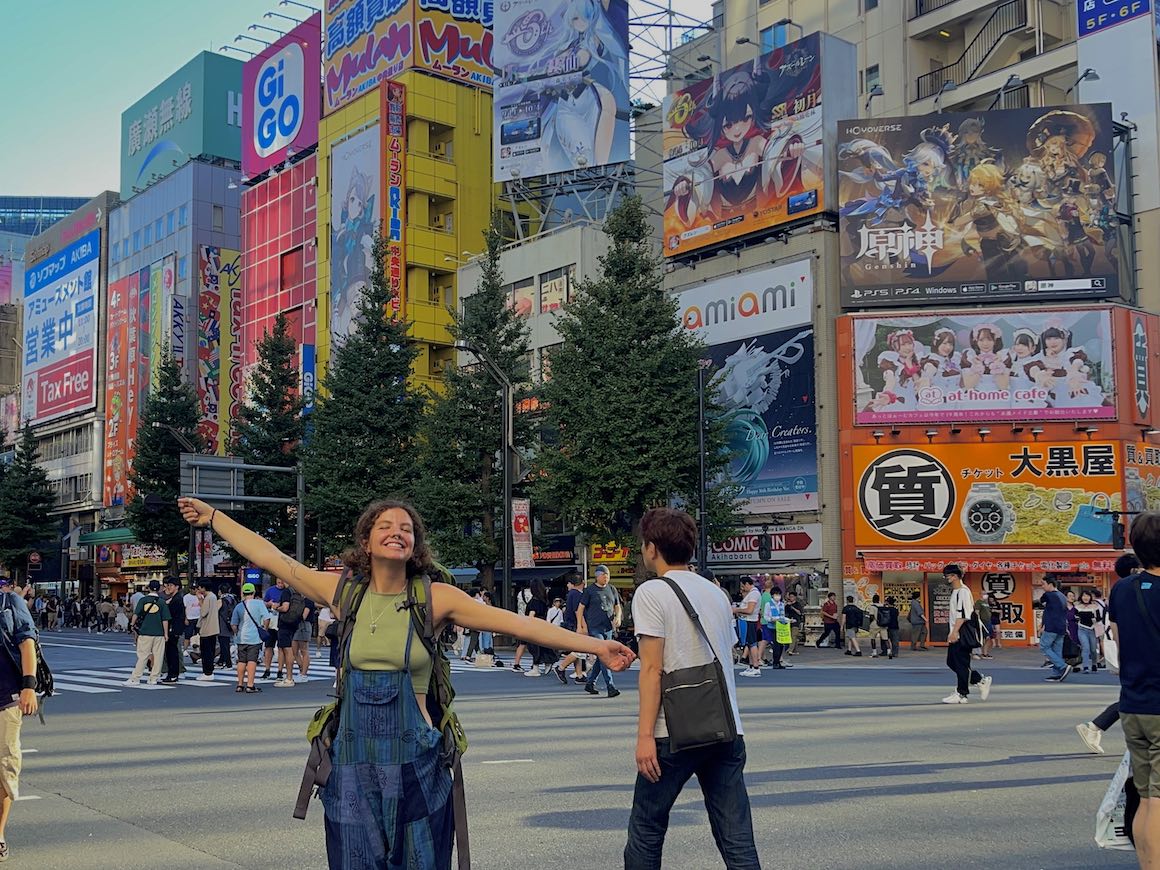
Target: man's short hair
x=890 y=600
x=207 y=585
x=575 y=580
x=849 y=599
x=672 y=532
x=954 y=570
x=831 y=594
x=916 y=594
x=1052 y=582
x=1127 y=565
x=1145 y=539
x=746 y=580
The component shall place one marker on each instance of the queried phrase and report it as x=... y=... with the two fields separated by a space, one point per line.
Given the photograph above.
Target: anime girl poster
x=355 y=213
x=561 y=92
x=743 y=150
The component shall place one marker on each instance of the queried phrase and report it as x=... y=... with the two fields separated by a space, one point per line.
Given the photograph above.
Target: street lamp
x=1088 y=75
x=947 y=86
x=507 y=452
x=875 y=91
x=1013 y=82
x=786 y=22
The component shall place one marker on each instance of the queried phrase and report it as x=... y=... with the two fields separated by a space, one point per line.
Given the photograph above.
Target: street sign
x=786 y=544
x=34 y=562
x=213 y=479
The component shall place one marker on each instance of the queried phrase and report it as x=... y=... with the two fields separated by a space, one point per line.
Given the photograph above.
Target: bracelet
x=211 y=516
x=29 y=683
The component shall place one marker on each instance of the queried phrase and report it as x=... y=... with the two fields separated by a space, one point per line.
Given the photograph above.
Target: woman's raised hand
x=195 y=511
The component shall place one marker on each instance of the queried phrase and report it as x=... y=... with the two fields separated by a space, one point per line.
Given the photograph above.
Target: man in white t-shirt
x=962 y=607
x=192 y=614
x=670 y=641
x=749 y=611
x=522 y=599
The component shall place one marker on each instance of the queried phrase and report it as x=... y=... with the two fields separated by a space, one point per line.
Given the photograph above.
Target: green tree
x=25 y=501
x=269 y=431
x=362 y=444
x=171 y=407
x=460 y=485
x=622 y=399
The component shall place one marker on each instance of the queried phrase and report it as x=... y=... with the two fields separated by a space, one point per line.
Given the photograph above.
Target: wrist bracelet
x=28 y=683
x=211 y=516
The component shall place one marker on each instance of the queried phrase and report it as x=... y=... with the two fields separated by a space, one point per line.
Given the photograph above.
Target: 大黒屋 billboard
x=355 y=212
x=60 y=332
x=280 y=97
x=561 y=92
x=743 y=150
x=978 y=207
x=948 y=367
x=759 y=330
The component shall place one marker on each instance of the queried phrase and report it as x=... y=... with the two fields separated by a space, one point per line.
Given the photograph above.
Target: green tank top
x=384 y=648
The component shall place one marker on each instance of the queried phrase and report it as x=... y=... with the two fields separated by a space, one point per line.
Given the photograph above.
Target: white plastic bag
x=1112 y=654
x=1110 y=831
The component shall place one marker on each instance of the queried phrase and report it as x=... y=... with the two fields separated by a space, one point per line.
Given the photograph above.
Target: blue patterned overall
x=388 y=800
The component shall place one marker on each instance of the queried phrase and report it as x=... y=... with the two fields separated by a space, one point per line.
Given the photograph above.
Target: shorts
x=1142 y=735
x=10 y=756
x=304 y=631
x=752 y=633
x=271 y=639
x=769 y=633
x=249 y=652
x=286 y=635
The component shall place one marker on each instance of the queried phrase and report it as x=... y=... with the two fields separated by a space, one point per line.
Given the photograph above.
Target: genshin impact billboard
x=978 y=207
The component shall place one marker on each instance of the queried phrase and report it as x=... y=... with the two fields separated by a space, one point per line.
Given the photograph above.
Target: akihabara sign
x=60 y=332
x=786 y=543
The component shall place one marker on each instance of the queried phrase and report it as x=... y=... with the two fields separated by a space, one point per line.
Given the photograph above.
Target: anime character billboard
x=978 y=206
x=561 y=88
x=355 y=209
x=743 y=150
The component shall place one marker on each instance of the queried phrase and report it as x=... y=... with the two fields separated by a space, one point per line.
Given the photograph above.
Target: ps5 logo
x=279 y=97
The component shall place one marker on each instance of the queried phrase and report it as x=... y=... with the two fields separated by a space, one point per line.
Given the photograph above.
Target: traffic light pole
x=702 y=515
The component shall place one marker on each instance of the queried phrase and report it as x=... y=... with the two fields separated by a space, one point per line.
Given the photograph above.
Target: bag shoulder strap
x=1149 y=620
x=243 y=603
x=692 y=613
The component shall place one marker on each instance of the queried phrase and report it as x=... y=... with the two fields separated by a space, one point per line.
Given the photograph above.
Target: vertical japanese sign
x=119 y=386
x=355 y=211
x=394 y=115
x=230 y=318
x=218 y=322
x=1142 y=477
x=522 y=533
x=309 y=377
x=160 y=294
x=177 y=316
x=60 y=332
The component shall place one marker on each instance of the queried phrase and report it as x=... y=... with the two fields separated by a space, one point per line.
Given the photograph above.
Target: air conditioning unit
x=437 y=366
x=439 y=149
x=438 y=221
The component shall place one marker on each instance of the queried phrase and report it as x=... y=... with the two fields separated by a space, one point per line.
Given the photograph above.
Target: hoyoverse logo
x=279 y=99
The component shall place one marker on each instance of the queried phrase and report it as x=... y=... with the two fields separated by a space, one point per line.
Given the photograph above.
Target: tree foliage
x=362 y=444
x=460 y=487
x=25 y=501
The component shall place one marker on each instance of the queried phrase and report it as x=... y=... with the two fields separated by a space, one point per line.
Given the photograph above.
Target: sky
x=70 y=67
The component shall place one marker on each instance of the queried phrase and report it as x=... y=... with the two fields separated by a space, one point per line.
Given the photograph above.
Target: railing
x=921 y=7
x=1015 y=98
x=1005 y=19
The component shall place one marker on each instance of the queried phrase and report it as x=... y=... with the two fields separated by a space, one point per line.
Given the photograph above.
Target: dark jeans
x=599 y=667
x=223 y=646
x=173 y=656
x=776 y=650
x=893 y=634
x=828 y=629
x=959 y=661
x=208 y=652
x=1109 y=717
x=719 y=771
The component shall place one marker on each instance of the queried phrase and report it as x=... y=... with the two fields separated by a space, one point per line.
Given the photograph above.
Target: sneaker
x=284 y=684
x=532 y=673
x=253 y=690
x=1067 y=669
x=205 y=678
x=131 y=683
x=3 y=851
x=579 y=681
x=984 y=688
x=170 y=681
x=613 y=693
x=750 y=672
x=849 y=652
x=517 y=667
x=1091 y=736
x=153 y=682
x=561 y=676
x=955 y=698
x=279 y=677
x=858 y=654
x=266 y=674
x=591 y=689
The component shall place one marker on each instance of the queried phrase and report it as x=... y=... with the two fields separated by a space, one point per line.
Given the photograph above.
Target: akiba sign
x=280 y=98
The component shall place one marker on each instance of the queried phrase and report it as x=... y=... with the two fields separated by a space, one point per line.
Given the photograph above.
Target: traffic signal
x=1117 y=535
x=764 y=550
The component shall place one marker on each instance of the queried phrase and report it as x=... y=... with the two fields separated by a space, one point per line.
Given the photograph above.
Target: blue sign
x=309 y=378
x=1096 y=15
x=253 y=575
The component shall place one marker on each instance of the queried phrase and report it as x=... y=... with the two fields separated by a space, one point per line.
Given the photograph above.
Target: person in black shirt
x=537 y=607
x=797 y=618
x=571 y=603
x=173 y=598
x=851 y=623
x=888 y=620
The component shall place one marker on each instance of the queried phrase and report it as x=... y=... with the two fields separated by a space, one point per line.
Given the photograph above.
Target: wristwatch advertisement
x=987 y=518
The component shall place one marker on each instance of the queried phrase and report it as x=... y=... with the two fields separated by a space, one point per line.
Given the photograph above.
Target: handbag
x=698 y=711
x=971 y=632
x=263 y=633
x=783 y=632
x=484 y=660
x=1111 y=824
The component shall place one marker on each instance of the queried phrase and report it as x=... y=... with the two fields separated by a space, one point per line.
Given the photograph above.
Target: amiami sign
x=749 y=304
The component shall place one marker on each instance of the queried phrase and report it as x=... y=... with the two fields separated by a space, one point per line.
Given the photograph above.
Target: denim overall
x=388 y=800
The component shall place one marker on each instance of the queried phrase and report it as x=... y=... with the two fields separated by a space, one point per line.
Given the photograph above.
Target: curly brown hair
x=358 y=559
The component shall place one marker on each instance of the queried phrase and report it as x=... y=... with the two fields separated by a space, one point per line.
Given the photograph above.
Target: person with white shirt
x=192 y=614
x=962 y=608
x=670 y=641
x=749 y=610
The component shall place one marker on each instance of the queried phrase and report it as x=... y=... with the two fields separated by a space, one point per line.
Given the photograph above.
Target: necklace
x=393 y=599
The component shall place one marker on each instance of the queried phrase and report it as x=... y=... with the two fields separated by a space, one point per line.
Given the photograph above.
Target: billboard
x=1142 y=477
x=522 y=533
x=281 y=97
x=978 y=207
x=1030 y=493
x=786 y=543
x=355 y=197
x=218 y=354
x=60 y=332
x=121 y=400
x=945 y=367
x=562 y=95
x=759 y=330
x=394 y=194
x=743 y=150
x=368 y=42
x=195 y=111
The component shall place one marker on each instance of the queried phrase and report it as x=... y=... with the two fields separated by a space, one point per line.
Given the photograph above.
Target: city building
x=32 y=215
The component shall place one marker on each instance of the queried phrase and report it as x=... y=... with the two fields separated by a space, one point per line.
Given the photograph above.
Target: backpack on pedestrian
x=44 y=682
x=293 y=616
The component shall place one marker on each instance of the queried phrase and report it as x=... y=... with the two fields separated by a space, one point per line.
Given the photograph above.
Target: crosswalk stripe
x=61 y=686
x=80 y=675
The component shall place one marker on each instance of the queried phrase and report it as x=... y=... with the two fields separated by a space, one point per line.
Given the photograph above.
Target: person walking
x=300 y=644
x=247 y=616
x=995 y=637
x=176 y=604
x=571 y=605
x=1134 y=611
x=1055 y=609
x=852 y=616
x=272 y=598
x=192 y=616
x=523 y=596
x=888 y=620
x=537 y=608
x=670 y=641
x=389 y=790
x=208 y=629
x=877 y=631
x=598 y=616
x=797 y=621
x=830 y=624
x=749 y=613
x=107 y=611
x=916 y=616
x=17 y=698
x=1086 y=614
x=325 y=620
x=150 y=621
x=959 y=613
x=226 y=604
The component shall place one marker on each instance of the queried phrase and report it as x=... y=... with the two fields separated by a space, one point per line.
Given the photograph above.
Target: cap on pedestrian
x=247 y=588
x=154 y=585
x=600 y=569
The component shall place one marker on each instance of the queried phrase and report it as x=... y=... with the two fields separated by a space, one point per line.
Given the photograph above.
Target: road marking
x=29 y=797
x=59 y=686
x=512 y=761
x=124 y=649
x=106 y=679
x=27 y=751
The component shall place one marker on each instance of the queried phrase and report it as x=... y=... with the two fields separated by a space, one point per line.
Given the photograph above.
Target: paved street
x=851 y=763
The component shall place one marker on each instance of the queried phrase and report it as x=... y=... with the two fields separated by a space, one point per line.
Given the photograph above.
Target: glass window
x=182 y=268
x=773 y=37
x=157 y=229
x=183 y=216
x=291 y=269
x=868 y=5
x=116 y=253
x=170 y=223
x=148 y=236
x=872 y=79
x=219 y=218
x=136 y=241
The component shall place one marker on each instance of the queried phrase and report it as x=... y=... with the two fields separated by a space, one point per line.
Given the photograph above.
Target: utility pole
x=702 y=513
x=185 y=445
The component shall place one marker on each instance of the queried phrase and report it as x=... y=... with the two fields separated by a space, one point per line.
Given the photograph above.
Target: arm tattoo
x=294 y=566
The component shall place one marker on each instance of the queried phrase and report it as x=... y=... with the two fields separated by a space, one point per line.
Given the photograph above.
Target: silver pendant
x=374 y=625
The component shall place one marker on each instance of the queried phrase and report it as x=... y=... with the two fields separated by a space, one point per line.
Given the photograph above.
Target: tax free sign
x=60 y=332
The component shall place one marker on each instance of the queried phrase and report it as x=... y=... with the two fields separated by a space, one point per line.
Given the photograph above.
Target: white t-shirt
x=133 y=599
x=522 y=601
x=192 y=606
x=555 y=615
x=962 y=605
x=754 y=598
x=657 y=612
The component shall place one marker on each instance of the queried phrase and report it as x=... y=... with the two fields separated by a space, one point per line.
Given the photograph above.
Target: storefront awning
x=108 y=536
x=1080 y=561
x=540 y=572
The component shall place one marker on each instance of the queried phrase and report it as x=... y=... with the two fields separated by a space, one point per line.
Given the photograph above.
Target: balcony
x=1007 y=19
x=1051 y=67
x=932 y=14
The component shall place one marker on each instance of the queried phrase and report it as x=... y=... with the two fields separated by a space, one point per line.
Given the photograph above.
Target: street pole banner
x=522 y=533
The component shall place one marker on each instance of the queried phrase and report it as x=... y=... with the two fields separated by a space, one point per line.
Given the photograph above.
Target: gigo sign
x=280 y=100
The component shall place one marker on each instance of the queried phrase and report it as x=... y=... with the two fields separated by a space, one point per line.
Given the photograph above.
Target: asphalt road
x=851 y=763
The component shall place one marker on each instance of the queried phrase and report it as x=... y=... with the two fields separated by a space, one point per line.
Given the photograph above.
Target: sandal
x=240 y=689
x=253 y=690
